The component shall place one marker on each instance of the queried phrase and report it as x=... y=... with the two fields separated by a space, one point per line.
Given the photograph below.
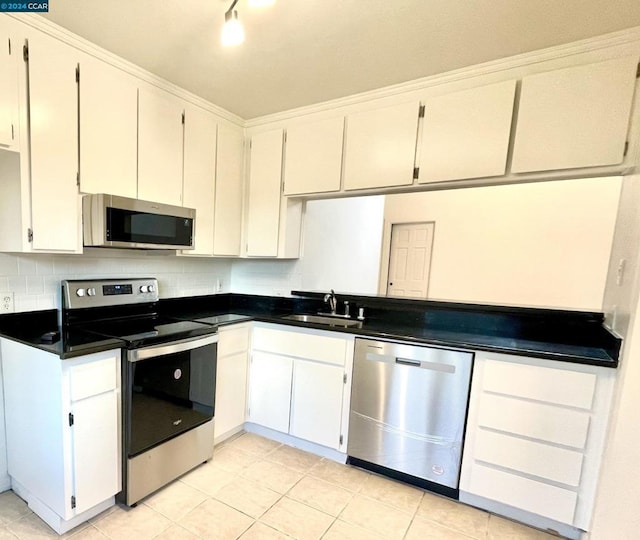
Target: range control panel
x=77 y=294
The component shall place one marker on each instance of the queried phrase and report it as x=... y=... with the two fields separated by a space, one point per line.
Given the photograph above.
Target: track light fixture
x=232 y=31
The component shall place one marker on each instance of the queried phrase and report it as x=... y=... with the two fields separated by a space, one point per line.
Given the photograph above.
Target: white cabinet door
x=265 y=178
x=227 y=215
x=574 y=117
x=270 y=393
x=53 y=109
x=160 y=139
x=231 y=393
x=9 y=51
x=313 y=157
x=466 y=134
x=200 y=175
x=96 y=454
x=316 y=403
x=381 y=146
x=108 y=129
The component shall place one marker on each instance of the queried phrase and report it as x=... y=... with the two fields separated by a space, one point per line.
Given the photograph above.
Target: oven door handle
x=171 y=348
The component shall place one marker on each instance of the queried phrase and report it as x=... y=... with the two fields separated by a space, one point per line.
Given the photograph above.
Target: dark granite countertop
x=567 y=336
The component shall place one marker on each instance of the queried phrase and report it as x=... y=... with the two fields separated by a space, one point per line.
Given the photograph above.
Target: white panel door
x=231 y=392
x=313 y=157
x=200 y=130
x=227 y=215
x=380 y=147
x=574 y=117
x=108 y=129
x=53 y=108
x=96 y=449
x=265 y=178
x=410 y=259
x=316 y=403
x=270 y=394
x=9 y=51
x=466 y=134
x=160 y=140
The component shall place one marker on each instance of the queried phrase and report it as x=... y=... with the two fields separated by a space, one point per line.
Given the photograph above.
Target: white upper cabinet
x=574 y=117
x=381 y=146
x=200 y=174
x=466 y=134
x=313 y=157
x=53 y=118
x=160 y=140
x=227 y=215
x=265 y=180
x=108 y=129
x=9 y=51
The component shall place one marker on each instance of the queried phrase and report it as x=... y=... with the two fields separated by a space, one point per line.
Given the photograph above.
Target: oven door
x=169 y=389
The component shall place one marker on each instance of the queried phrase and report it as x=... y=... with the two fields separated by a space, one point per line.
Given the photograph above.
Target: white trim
x=40 y=23
x=605 y=41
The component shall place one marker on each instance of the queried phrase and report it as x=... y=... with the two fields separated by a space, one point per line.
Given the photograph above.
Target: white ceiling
x=300 y=52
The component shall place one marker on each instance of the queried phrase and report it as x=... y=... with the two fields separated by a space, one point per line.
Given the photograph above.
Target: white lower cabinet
x=231 y=380
x=63 y=432
x=534 y=438
x=299 y=383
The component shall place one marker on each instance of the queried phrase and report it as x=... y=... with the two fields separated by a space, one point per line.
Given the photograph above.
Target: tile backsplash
x=35 y=278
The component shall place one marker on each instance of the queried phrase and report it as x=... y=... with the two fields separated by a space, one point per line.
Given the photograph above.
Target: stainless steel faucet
x=330 y=298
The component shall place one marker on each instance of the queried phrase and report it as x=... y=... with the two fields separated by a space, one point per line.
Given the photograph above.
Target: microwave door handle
x=171 y=348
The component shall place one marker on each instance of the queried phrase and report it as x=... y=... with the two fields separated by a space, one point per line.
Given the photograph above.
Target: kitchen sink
x=329 y=321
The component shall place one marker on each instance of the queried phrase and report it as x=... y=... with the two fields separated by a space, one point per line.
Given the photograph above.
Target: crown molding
x=605 y=41
x=44 y=25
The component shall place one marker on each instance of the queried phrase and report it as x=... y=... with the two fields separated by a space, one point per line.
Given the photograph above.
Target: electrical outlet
x=218 y=285
x=6 y=306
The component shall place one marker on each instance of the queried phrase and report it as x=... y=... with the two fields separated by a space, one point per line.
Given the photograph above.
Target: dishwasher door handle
x=422 y=364
x=408 y=362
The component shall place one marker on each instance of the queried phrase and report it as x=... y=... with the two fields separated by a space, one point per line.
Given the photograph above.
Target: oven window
x=145 y=228
x=169 y=395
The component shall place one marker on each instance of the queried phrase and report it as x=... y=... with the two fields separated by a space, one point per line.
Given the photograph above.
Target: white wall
x=543 y=244
x=35 y=278
x=341 y=251
x=616 y=510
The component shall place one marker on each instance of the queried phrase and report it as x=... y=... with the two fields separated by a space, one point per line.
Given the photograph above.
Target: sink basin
x=329 y=321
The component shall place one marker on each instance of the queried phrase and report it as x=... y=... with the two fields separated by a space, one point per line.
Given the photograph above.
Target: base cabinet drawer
x=537 y=497
x=529 y=457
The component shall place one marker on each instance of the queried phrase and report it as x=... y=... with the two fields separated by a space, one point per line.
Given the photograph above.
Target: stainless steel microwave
x=120 y=222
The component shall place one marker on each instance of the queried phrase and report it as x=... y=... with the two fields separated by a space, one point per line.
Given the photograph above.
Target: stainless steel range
x=168 y=379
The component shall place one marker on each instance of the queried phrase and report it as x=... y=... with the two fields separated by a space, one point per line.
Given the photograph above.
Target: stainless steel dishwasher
x=408 y=412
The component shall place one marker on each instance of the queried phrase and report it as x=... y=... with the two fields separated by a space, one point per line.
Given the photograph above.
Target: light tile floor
x=257 y=489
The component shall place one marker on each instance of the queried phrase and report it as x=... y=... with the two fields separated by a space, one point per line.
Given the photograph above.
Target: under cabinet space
x=465 y=134
x=160 y=146
x=313 y=157
x=380 y=147
x=574 y=117
x=108 y=129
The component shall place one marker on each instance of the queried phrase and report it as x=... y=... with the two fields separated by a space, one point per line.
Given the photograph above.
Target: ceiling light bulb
x=232 y=31
x=261 y=3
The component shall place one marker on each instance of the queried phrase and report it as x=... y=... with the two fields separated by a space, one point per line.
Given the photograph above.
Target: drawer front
x=233 y=340
x=533 y=458
x=536 y=497
x=535 y=420
x=331 y=350
x=93 y=378
x=561 y=387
